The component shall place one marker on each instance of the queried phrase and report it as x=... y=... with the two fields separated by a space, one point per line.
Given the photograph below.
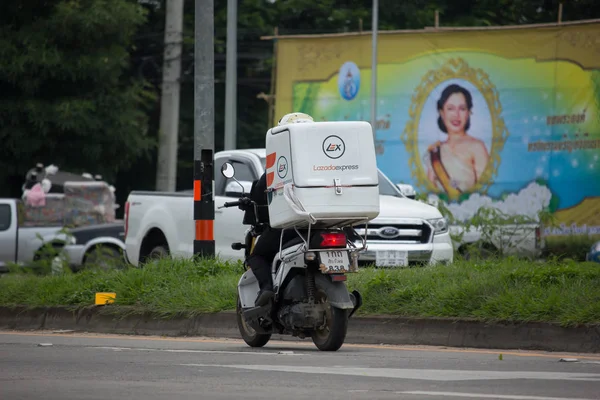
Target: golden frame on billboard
x=455 y=68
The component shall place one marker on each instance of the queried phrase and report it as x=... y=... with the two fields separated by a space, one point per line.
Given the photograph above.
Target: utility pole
x=560 y=13
x=204 y=128
x=231 y=77
x=375 y=22
x=166 y=171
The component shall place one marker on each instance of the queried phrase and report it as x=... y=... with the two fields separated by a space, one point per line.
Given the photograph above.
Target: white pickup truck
x=161 y=223
x=22 y=244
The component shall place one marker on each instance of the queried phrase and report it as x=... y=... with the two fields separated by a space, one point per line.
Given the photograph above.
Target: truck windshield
x=386 y=188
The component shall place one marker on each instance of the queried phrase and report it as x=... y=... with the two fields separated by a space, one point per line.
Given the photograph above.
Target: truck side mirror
x=227 y=170
x=407 y=190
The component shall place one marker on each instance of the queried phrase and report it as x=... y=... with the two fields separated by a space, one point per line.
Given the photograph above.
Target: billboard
x=508 y=118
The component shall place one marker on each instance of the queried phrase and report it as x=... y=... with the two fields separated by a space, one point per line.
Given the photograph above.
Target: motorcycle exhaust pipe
x=356 y=299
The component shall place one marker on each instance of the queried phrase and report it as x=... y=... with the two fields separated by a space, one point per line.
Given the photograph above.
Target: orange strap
x=204 y=230
x=197 y=190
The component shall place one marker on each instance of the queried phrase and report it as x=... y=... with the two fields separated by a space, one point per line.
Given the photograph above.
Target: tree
x=73 y=72
x=258 y=18
x=66 y=94
x=254 y=76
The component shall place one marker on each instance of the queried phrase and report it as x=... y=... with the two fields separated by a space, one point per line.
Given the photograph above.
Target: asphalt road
x=75 y=366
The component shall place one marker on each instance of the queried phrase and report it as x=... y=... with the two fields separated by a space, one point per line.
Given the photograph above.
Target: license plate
x=391 y=258
x=334 y=262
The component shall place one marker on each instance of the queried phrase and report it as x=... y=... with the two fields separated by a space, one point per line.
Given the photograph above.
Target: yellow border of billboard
x=305 y=58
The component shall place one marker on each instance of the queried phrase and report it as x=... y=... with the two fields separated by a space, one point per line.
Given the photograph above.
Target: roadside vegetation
x=489 y=285
x=506 y=289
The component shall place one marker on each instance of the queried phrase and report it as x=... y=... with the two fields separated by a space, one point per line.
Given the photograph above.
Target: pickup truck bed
x=170 y=228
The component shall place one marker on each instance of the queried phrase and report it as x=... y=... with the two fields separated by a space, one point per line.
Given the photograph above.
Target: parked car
x=95 y=245
x=29 y=226
x=161 y=223
x=21 y=244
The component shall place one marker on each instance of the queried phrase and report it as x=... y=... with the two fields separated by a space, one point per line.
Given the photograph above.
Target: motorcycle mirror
x=227 y=170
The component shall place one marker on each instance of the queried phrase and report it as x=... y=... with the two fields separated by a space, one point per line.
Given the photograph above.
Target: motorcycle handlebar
x=244 y=201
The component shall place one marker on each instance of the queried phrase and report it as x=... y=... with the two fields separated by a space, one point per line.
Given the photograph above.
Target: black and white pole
x=204 y=129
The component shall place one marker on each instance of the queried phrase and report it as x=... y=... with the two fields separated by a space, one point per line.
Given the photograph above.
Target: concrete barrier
x=362 y=330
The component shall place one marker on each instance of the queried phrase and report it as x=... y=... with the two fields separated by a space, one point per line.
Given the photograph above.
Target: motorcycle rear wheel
x=249 y=335
x=332 y=337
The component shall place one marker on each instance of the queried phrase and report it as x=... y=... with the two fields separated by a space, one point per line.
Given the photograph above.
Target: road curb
x=362 y=330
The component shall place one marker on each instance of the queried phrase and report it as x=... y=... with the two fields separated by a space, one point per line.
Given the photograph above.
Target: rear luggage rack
x=306 y=248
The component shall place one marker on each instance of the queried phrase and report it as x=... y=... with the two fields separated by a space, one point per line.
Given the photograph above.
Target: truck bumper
x=439 y=251
x=73 y=254
x=443 y=249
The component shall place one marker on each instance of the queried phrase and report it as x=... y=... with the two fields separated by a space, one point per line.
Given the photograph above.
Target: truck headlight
x=440 y=225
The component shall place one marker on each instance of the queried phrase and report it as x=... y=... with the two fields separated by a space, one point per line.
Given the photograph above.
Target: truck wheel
x=103 y=257
x=58 y=264
x=483 y=252
x=47 y=259
x=157 y=252
x=332 y=336
x=249 y=335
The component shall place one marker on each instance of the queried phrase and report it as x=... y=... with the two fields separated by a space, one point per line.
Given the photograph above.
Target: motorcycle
x=309 y=273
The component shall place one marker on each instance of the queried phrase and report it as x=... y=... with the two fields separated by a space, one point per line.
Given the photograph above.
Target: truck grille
x=400 y=233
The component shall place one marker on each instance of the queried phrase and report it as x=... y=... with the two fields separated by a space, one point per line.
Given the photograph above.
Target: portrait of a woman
x=457 y=163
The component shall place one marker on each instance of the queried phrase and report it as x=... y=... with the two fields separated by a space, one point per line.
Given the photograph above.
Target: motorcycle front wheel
x=332 y=336
x=249 y=335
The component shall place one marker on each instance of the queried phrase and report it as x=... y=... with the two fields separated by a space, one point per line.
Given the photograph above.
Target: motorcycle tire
x=333 y=336
x=250 y=336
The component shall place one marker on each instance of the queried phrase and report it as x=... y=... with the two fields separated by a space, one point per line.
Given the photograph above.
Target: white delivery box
x=328 y=170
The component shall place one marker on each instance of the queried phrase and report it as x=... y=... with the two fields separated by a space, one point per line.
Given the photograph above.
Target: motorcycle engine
x=302 y=316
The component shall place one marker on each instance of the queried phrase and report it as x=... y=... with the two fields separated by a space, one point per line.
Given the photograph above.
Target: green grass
x=502 y=290
x=167 y=288
x=573 y=247
x=509 y=290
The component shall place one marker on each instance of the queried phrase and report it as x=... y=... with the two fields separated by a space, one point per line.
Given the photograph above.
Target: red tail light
x=126 y=218
x=333 y=239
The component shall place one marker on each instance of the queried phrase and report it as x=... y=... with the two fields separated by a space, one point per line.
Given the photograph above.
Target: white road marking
x=110 y=348
x=197 y=351
x=418 y=374
x=489 y=396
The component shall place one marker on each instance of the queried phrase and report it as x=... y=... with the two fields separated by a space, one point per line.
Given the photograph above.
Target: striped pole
x=204 y=128
x=204 y=205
